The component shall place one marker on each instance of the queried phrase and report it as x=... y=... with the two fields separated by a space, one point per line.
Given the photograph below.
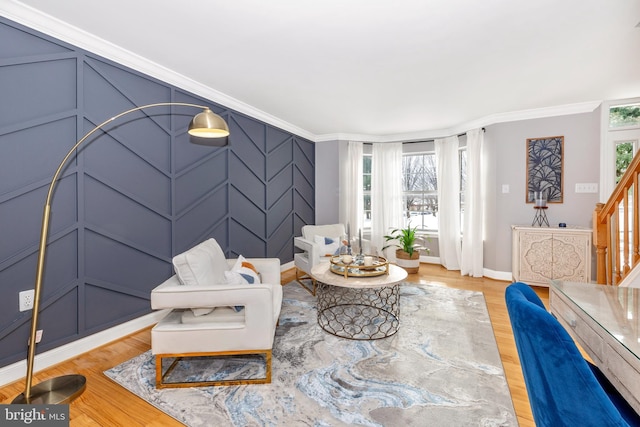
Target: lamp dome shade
x=207 y=124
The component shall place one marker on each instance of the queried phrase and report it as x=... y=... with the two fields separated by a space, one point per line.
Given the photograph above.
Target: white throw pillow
x=242 y=273
x=328 y=245
x=204 y=264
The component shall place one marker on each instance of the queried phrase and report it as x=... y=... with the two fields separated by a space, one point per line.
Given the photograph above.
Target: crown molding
x=537 y=113
x=399 y=137
x=75 y=36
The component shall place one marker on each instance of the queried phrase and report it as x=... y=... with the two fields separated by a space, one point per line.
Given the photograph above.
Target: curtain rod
x=426 y=140
x=433 y=139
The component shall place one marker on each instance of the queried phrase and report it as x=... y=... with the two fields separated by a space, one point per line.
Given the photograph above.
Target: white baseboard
x=430 y=259
x=507 y=276
x=491 y=274
x=16 y=371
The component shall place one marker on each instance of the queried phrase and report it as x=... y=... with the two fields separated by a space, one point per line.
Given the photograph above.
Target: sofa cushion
x=220 y=317
x=204 y=264
x=197 y=312
x=328 y=245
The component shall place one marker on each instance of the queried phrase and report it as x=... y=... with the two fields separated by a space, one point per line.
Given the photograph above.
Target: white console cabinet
x=541 y=254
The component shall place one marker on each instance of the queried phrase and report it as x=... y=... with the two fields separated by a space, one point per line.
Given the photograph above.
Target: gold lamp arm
x=66 y=388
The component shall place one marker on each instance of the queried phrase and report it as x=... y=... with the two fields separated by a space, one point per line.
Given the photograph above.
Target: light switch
x=505 y=188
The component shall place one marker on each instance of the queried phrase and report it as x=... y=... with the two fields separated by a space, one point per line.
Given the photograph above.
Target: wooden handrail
x=616 y=234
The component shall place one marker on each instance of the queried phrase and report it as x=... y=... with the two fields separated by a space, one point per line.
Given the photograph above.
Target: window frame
x=417 y=151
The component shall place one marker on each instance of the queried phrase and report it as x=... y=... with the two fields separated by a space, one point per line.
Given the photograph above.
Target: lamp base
x=53 y=391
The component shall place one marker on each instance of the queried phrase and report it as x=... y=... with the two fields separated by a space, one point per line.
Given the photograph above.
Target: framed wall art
x=545 y=168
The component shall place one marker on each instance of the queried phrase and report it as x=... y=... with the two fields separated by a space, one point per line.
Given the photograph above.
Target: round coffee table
x=358 y=308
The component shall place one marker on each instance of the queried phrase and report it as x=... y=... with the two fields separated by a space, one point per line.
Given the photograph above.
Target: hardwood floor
x=104 y=403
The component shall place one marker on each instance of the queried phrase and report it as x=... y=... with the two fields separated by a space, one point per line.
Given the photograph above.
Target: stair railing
x=616 y=229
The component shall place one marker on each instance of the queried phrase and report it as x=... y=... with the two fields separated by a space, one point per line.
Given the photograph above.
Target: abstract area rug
x=442 y=368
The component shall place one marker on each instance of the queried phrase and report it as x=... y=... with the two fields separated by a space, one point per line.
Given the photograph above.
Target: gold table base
x=359 y=313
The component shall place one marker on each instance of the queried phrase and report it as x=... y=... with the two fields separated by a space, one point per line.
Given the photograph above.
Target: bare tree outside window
x=412 y=182
x=366 y=182
x=420 y=189
x=463 y=180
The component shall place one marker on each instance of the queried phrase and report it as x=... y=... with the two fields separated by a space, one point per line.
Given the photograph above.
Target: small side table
x=540 y=217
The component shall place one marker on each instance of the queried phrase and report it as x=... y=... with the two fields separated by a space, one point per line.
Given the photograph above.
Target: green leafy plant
x=403 y=238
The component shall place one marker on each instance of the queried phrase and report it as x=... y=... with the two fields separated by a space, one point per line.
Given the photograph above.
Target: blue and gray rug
x=442 y=368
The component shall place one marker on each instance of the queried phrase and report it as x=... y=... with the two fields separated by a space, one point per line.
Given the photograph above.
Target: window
x=621 y=124
x=624 y=115
x=366 y=182
x=420 y=189
x=624 y=154
x=462 y=156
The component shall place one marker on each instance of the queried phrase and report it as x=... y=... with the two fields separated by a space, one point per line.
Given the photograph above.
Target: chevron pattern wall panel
x=134 y=196
x=304 y=190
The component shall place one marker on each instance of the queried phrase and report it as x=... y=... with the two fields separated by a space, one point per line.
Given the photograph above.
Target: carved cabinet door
x=536 y=257
x=570 y=252
x=541 y=254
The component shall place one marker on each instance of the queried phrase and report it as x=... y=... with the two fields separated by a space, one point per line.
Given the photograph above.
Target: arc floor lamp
x=66 y=388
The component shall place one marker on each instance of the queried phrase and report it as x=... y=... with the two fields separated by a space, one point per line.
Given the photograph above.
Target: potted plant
x=408 y=252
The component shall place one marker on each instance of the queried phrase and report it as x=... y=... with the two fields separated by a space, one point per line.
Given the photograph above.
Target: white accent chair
x=313 y=251
x=206 y=318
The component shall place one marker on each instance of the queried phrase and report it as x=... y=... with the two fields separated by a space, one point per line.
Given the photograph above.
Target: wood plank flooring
x=104 y=403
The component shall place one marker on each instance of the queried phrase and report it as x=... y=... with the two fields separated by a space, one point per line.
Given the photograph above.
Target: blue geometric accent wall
x=133 y=196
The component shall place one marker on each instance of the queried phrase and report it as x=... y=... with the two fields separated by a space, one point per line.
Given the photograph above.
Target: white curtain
x=471 y=262
x=386 y=192
x=448 y=170
x=351 y=205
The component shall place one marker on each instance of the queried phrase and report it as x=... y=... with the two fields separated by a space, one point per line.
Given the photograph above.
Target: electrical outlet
x=26 y=300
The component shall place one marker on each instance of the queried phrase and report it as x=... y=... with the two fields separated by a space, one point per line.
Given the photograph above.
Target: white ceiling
x=373 y=67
